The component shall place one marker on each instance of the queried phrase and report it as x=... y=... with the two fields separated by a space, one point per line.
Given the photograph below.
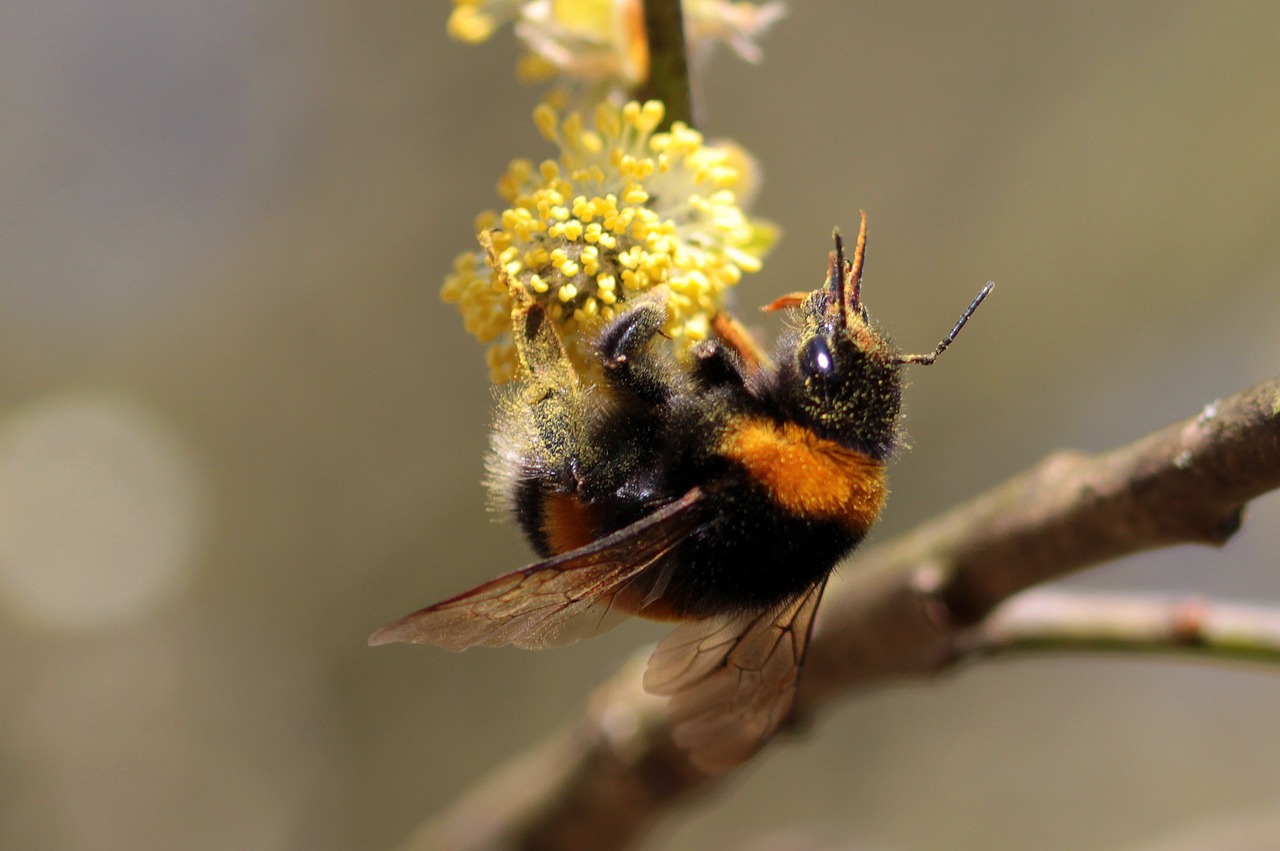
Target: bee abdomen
x=554 y=522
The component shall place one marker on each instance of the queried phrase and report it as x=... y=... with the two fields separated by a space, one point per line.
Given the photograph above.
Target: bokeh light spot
x=100 y=510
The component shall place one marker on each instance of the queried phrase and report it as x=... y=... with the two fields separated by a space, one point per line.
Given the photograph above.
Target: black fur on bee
x=718 y=491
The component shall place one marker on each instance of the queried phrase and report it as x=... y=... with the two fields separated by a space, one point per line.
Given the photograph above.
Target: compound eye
x=816 y=360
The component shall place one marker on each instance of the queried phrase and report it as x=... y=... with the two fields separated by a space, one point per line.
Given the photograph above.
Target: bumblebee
x=717 y=493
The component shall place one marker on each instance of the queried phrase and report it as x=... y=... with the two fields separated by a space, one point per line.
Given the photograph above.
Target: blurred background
x=239 y=431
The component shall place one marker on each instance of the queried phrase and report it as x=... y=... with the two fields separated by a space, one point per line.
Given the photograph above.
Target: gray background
x=222 y=233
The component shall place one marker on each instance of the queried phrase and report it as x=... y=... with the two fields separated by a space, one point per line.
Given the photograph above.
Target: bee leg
x=550 y=390
x=732 y=334
x=715 y=365
x=624 y=350
x=549 y=409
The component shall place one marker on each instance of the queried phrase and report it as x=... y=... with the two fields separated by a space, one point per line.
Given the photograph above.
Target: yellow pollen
x=591 y=226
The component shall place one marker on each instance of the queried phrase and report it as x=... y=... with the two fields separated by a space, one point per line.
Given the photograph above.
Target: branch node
x=1227 y=526
x=929 y=583
x=1187 y=622
x=1208 y=412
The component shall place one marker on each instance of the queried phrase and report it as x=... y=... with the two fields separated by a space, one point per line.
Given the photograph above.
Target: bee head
x=839 y=375
x=842 y=376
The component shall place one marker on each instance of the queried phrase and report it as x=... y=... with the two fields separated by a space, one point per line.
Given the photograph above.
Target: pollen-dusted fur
x=719 y=491
x=807 y=475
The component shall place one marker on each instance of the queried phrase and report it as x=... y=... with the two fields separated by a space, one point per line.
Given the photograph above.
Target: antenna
x=855 y=274
x=835 y=273
x=925 y=360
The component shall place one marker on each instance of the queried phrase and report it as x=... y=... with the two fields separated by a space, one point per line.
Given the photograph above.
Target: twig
x=1063 y=621
x=912 y=607
x=668 y=63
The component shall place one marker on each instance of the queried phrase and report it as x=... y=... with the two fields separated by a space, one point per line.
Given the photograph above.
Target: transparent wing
x=732 y=679
x=556 y=601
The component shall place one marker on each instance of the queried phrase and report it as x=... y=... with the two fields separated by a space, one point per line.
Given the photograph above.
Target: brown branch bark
x=913 y=607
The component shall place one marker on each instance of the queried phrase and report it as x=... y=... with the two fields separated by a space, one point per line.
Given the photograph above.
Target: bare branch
x=1069 y=621
x=915 y=606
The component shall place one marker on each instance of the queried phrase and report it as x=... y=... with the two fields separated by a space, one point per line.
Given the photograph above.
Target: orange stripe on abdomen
x=567 y=523
x=806 y=475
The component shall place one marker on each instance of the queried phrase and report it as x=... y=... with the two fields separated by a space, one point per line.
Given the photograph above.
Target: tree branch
x=919 y=604
x=1062 y=621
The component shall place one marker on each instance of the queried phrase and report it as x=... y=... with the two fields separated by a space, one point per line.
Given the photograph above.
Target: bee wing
x=556 y=601
x=732 y=678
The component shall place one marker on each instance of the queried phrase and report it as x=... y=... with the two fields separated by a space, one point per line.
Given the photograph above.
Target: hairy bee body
x=781 y=504
x=718 y=492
